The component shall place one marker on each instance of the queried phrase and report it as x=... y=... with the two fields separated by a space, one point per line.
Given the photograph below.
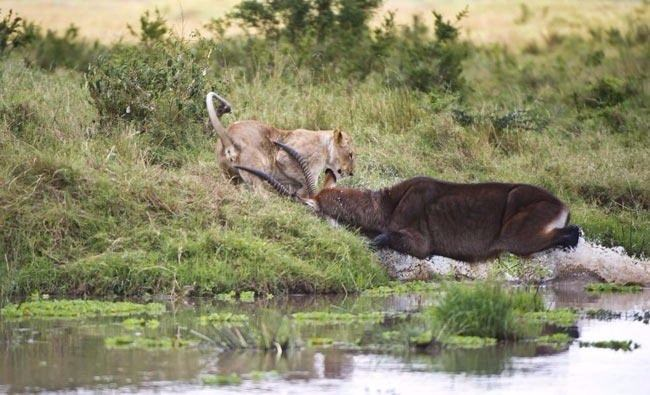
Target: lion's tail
x=224 y=107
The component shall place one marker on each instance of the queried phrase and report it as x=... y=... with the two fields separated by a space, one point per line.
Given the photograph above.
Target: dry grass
x=488 y=21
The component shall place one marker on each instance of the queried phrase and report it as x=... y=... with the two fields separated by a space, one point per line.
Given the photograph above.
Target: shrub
x=608 y=91
x=49 y=51
x=12 y=33
x=159 y=86
x=17 y=116
x=334 y=38
x=152 y=28
x=299 y=18
x=327 y=37
x=424 y=63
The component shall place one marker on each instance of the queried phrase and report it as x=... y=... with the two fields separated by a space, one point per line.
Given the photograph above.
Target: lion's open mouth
x=332 y=173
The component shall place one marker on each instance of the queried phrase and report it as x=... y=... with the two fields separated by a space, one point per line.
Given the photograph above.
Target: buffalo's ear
x=338 y=136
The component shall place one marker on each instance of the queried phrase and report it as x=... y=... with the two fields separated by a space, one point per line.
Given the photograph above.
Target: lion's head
x=341 y=156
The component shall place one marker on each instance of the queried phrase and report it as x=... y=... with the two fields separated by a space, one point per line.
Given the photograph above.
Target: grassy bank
x=94 y=202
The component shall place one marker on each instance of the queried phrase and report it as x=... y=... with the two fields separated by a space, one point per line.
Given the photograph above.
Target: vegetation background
x=108 y=180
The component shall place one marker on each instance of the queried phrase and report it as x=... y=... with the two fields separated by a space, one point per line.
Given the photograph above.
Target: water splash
x=608 y=264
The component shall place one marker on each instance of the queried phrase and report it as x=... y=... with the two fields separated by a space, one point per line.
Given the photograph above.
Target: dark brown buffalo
x=422 y=216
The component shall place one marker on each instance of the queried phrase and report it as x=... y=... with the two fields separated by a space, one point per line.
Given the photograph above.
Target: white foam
x=608 y=264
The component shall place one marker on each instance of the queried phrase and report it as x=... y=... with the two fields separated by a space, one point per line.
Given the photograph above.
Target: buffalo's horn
x=282 y=190
x=304 y=166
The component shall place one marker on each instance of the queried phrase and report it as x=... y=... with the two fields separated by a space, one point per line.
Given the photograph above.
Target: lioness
x=250 y=144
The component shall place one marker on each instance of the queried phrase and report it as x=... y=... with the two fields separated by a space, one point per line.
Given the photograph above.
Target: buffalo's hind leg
x=537 y=227
x=567 y=237
x=380 y=241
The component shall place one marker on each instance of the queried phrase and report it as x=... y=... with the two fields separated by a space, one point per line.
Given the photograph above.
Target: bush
x=328 y=37
x=152 y=28
x=296 y=19
x=50 y=51
x=17 y=116
x=334 y=38
x=607 y=92
x=12 y=33
x=424 y=63
x=159 y=86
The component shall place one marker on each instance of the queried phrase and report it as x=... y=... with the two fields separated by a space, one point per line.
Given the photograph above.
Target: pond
x=74 y=354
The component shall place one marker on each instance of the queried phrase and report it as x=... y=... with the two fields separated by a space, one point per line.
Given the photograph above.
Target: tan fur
x=250 y=144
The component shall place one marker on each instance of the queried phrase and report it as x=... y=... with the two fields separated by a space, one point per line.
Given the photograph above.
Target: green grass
x=483 y=309
x=90 y=208
x=491 y=310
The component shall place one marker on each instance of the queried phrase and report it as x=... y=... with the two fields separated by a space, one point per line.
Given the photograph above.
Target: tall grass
x=483 y=309
x=90 y=206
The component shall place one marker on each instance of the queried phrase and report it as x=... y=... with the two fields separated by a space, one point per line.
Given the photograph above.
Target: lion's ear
x=338 y=136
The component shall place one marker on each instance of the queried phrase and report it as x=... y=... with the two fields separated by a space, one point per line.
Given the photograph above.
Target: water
x=64 y=355
x=589 y=259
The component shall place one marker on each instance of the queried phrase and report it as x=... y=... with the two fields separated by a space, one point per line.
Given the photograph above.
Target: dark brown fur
x=422 y=216
x=470 y=222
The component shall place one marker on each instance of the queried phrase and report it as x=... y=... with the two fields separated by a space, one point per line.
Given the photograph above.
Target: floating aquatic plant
x=399 y=288
x=221 y=379
x=164 y=343
x=78 y=309
x=469 y=342
x=559 y=317
x=226 y=296
x=625 y=345
x=602 y=314
x=223 y=318
x=247 y=296
x=320 y=341
x=326 y=317
x=556 y=340
x=140 y=322
x=612 y=287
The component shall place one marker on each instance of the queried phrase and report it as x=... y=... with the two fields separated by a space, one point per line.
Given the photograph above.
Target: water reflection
x=66 y=355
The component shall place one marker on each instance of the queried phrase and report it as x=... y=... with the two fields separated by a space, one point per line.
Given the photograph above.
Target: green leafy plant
x=153 y=28
x=424 y=63
x=608 y=91
x=50 y=51
x=12 y=33
x=159 y=87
